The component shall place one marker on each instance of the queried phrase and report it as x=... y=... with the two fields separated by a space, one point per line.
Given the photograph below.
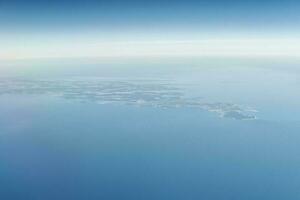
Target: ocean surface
x=151 y=131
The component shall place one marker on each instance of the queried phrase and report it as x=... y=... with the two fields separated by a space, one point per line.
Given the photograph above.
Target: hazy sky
x=35 y=28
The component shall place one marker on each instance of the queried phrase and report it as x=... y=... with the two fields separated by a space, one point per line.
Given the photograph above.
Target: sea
x=211 y=129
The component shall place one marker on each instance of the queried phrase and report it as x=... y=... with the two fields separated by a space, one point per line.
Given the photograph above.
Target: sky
x=118 y=28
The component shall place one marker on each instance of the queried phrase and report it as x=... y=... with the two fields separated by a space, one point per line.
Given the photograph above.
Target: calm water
x=195 y=133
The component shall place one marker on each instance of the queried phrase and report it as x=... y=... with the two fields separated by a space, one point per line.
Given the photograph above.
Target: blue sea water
x=221 y=133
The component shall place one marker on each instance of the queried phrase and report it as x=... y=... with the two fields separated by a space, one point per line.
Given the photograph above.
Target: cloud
x=81 y=48
x=159 y=93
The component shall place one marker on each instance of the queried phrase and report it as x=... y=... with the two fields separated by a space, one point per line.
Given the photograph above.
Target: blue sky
x=30 y=24
x=208 y=15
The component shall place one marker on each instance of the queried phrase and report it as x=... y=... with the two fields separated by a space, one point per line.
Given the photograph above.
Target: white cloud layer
x=93 y=48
